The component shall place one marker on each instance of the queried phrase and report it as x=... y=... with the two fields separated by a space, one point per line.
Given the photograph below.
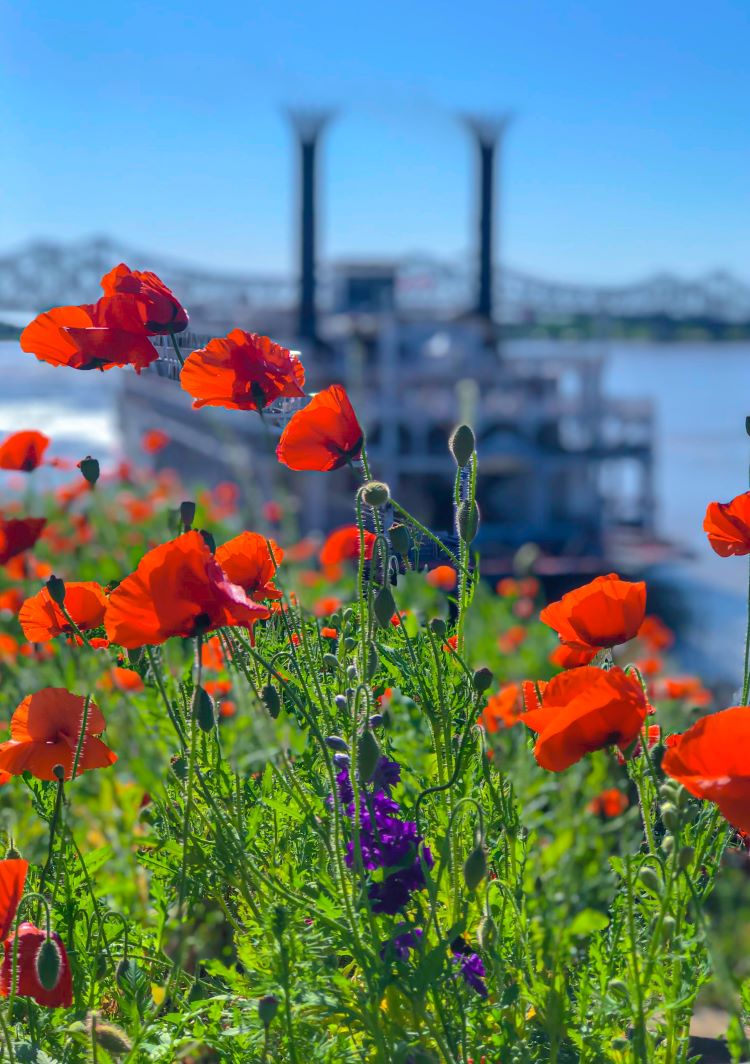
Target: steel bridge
x=43 y=274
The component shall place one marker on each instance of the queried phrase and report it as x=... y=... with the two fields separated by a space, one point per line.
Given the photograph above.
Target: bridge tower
x=488 y=132
x=308 y=124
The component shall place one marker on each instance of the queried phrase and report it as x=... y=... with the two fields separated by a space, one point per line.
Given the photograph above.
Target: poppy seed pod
x=482 y=679
x=462 y=444
x=89 y=469
x=270 y=698
x=368 y=755
x=187 y=514
x=400 y=539
x=475 y=868
x=48 y=963
x=384 y=606
x=375 y=493
x=56 y=589
x=467 y=520
x=268 y=1006
x=203 y=710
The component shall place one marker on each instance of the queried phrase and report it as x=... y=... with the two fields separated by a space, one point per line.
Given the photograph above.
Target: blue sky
x=160 y=123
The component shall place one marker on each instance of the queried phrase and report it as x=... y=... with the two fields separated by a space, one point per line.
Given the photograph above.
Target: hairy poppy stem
x=176 y=347
x=81 y=735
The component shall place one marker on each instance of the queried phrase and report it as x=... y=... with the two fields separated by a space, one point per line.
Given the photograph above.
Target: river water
x=701 y=395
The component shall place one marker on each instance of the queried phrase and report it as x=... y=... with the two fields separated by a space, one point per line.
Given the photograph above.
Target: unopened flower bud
x=89 y=469
x=667 y=791
x=368 y=754
x=376 y=720
x=350 y=643
x=685 y=857
x=335 y=742
x=58 y=771
x=467 y=520
x=400 y=539
x=208 y=539
x=667 y=844
x=670 y=817
x=270 y=699
x=268 y=1006
x=110 y=1037
x=340 y=702
x=682 y=797
x=462 y=444
x=438 y=627
x=187 y=514
x=48 y=963
x=650 y=879
x=12 y=853
x=475 y=867
x=375 y=493
x=373 y=661
x=482 y=680
x=331 y=661
x=179 y=766
x=669 y=926
x=487 y=933
x=56 y=590
x=351 y=672
x=384 y=606
x=203 y=710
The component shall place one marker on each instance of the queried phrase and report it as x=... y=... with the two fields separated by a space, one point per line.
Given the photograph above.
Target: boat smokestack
x=308 y=126
x=488 y=133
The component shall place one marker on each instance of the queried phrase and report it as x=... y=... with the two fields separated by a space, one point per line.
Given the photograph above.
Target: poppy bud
x=122 y=970
x=682 y=797
x=400 y=539
x=368 y=755
x=187 y=515
x=56 y=590
x=438 y=627
x=270 y=698
x=482 y=680
x=208 y=539
x=384 y=606
x=268 y=1006
x=340 y=702
x=376 y=720
x=110 y=1037
x=375 y=493
x=335 y=742
x=203 y=710
x=350 y=643
x=331 y=661
x=667 y=844
x=48 y=963
x=487 y=932
x=747 y=425
x=670 y=817
x=180 y=767
x=373 y=661
x=90 y=469
x=12 y=854
x=685 y=857
x=669 y=926
x=58 y=771
x=650 y=879
x=667 y=791
x=462 y=444
x=467 y=520
x=475 y=868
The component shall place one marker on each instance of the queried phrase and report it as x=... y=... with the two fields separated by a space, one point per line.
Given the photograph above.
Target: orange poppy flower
x=343 y=545
x=8 y=647
x=19 y=534
x=178 y=589
x=683 y=688
x=583 y=710
x=10 y=600
x=44 y=732
x=212 y=656
x=503 y=710
x=327 y=604
x=80 y=338
x=329 y=633
x=712 y=761
x=154 y=440
x=324 y=435
x=122 y=679
x=249 y=563
x=655 y=633
x=242 y=371
x=12 y=880
x=451 y=644
x=511 y=640
x=23 y=451
x=602 y=613
x=610 y=803
x=42 y=619
x=570 y=658
x=140 y=302
x=28 y=984
x=727 y=525
x=507 y=587
x=653 y=735
x=217 y=687
x=443 y=577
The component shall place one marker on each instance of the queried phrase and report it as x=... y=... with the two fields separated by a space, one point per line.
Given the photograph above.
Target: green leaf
x=587 y=921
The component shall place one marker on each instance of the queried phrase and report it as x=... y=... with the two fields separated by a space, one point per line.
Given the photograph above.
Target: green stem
x=746 y=680
x=81 y=735
x=176 y=347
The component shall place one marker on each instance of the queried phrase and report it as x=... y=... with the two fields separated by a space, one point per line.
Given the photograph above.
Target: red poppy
x=140 y=302
x=712 y=761
x=324 y=435
x=329 y=633
x=249 y=563
x=30 y=939
x=8 y=647
x=503 y=710
x=42 y=619
x=683 y=688
x=570 y=658
x=343 y=545
x=12 y=879
x=19 y=534
x=80 y=338
x=451 y=644
x=727 y=525
x=653 y=735
x=242 y=371
x=602 y=613
x=23 y=451
x=272 y=512
x=44 y=732
x=178 y=589
x=327 y=604
x=212 y=655
x=609 y=803
x=507 y=587
x=154 y=440
x=583 y=710
x=511 y=640
x=10 y=600
x=655 y=633
x=443 y=577
x=122 y=679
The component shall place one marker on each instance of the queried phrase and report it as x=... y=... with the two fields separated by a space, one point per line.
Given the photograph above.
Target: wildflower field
x=265 y=799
